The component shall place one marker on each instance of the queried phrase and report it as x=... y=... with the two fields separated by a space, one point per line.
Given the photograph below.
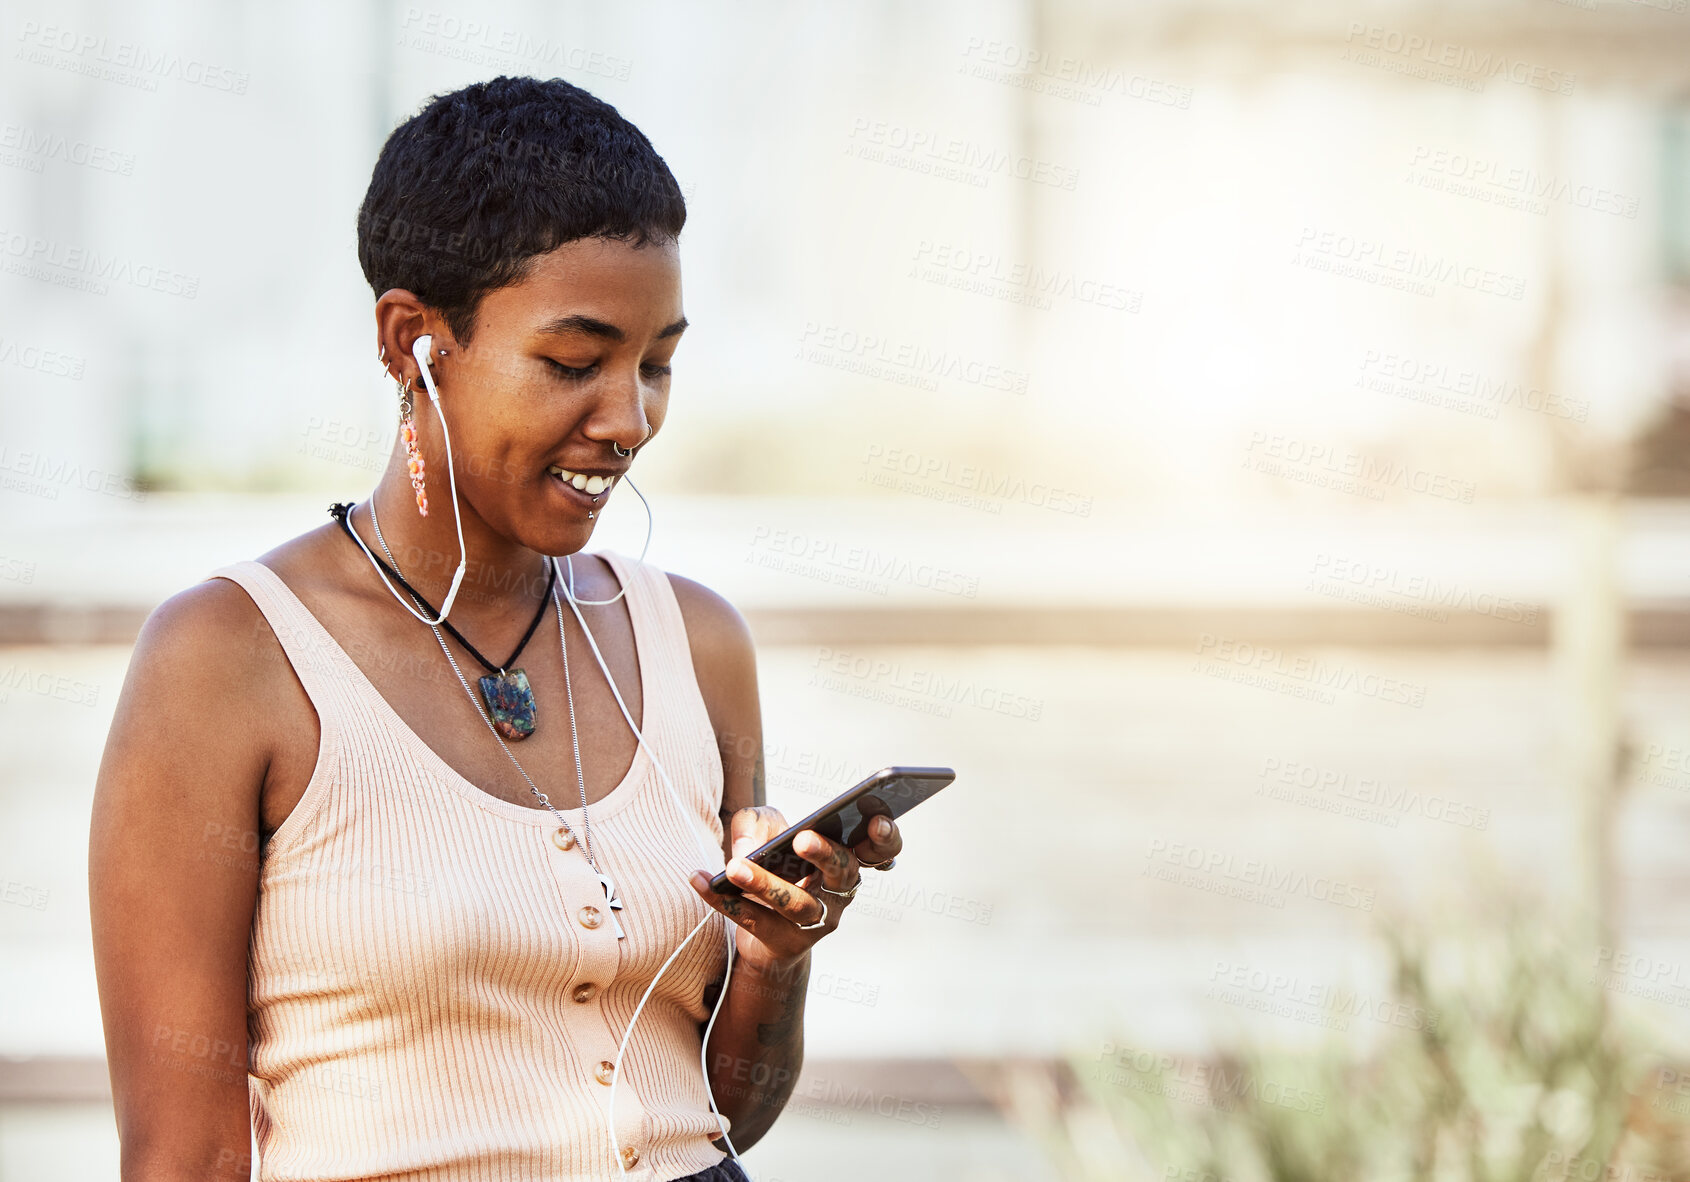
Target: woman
x=339 y=905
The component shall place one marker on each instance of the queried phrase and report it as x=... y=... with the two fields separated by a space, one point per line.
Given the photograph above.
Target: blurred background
x=1249 y=441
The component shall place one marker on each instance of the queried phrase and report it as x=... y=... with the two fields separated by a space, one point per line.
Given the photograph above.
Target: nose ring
x=617 y=447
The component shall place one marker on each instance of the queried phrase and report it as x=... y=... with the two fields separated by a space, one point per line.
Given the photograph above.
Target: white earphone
x=420 y=350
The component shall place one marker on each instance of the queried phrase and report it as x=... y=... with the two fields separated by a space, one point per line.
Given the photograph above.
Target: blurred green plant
x=1510 y=1064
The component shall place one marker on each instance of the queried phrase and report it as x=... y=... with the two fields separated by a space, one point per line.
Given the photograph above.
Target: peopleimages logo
x=1263 y=661
x=924 y=149
x=1381 y=585
x=1464 y=175
x=1426 y=52
x=1326 y=466
x=1375 y=260
x=888 y=680
x=1275 y=882
x=989 y=273
x=148 y=65
x=1064 y=76
x=917 y=469
x=33 y=147
x=50 y=362
x=1437 y=382
x=828 y=555
x=902 y=361
x=479 y=43
x=1288 y=995
x=47 y=685
x=44 y=475
x=1365 y=798
x=35 y=257
x=1215 y=1085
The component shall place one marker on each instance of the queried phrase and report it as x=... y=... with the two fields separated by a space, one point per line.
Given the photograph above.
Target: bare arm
x=173 y=879
x=757 y=1045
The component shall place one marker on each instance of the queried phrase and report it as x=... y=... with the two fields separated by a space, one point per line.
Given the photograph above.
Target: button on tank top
x=435 y=990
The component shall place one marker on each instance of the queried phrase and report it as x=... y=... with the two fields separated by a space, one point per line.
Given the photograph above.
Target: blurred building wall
x=1139 y=244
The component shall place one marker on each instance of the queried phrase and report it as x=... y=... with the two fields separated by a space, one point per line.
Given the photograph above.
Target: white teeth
x=589 y=484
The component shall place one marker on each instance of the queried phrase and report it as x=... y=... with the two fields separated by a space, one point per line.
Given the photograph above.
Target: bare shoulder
x=208 y=675
x=210 y=633
x=215 y=624
x=204 y=671
x=714 y=626
x=724 y=659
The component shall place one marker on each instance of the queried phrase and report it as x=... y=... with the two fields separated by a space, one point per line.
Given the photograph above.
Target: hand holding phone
x=890 y=792
x=786 y=899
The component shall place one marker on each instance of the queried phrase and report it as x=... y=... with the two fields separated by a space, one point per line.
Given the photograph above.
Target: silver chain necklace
x=611 y=899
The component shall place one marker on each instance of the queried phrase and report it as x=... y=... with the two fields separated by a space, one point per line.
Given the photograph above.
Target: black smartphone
x=890 y=792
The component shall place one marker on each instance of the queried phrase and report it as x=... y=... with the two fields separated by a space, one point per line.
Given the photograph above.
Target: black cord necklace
x=509 y=698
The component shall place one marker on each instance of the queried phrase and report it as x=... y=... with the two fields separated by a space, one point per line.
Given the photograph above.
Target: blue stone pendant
x=510 y=703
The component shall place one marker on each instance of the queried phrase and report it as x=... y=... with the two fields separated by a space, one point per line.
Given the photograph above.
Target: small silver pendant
x=613 y=903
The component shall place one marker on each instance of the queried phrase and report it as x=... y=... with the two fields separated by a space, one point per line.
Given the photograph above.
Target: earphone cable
x=710 y=853
x=569 y=584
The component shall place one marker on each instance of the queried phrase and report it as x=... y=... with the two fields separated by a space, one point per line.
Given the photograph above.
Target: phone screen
x=890 y=792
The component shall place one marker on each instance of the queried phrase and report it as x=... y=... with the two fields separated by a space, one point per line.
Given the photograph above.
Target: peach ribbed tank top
x=435 y=991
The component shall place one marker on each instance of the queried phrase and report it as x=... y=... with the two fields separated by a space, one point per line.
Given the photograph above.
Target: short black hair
x=470 y=189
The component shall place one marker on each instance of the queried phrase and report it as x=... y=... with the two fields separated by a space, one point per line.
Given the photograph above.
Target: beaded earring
x=408 y=433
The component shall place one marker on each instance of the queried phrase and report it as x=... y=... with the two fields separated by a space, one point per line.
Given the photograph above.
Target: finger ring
x=810 y=927
x=844 y=894
x=886 y=865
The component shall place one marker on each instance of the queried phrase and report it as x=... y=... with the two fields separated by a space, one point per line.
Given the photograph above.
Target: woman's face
x=573 y=358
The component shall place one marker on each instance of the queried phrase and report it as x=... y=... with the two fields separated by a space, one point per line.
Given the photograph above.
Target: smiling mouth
x=580 y=482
